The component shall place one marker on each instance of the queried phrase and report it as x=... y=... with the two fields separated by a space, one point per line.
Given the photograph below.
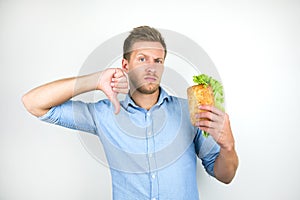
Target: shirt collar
x=162 y=96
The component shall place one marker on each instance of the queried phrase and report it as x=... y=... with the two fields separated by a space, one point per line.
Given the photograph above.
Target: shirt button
x=153 y=198
x=153 y=176
x=150 y=155
x=149 y=133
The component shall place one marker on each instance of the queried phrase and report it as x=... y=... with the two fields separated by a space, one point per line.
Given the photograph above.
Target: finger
x=119 y=79
x=211 y=131
x=119 y=84
x=204 y=115
x=211 y=127
x=120 y=90
x=208 y=116
x=120 y=87
x=119 y=73
x=211 y=109
x=204 y=123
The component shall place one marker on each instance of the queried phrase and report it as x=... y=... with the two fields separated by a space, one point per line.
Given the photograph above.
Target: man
x=150 y=144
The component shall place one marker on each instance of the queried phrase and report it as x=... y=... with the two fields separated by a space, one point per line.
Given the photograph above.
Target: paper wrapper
x=199 y=95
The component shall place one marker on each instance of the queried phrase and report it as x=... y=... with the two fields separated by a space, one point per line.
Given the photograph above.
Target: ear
x=125 y=65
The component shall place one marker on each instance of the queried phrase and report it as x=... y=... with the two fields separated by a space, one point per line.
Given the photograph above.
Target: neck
x=145 y=101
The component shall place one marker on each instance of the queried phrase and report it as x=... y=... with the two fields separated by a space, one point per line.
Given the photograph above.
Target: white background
x=254 y=44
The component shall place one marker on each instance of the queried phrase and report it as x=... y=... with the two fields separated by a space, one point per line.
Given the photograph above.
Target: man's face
x=145 y=67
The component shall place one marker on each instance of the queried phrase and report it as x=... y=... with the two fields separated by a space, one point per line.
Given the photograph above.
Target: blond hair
x=142 y=34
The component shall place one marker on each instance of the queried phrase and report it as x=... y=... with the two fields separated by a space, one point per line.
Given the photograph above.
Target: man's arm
x=218 y=126
x=40 y=100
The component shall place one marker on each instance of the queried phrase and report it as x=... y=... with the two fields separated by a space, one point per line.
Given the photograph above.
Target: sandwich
x=206 y=91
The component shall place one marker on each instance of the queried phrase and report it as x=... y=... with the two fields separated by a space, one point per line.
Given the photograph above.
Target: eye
x=142 y=59
x=159 y=61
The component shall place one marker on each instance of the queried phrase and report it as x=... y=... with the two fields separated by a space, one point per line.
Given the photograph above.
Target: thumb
x=116 y=103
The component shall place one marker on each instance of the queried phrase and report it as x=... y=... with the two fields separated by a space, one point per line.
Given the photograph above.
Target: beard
x=149 y=88
x=143 y=87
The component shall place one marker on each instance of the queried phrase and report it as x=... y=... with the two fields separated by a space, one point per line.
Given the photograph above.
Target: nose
x=151 y=68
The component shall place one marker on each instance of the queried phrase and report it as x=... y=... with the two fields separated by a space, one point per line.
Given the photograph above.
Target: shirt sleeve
x=207 y=150
x=75 y=115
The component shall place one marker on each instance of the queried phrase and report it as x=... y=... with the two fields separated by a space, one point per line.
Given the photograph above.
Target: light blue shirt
x=152 y=154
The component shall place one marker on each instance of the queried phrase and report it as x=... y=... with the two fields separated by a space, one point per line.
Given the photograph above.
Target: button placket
x=151 y=157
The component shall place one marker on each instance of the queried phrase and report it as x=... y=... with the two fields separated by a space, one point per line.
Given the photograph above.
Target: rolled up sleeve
x=75 y=115
x=207 y=150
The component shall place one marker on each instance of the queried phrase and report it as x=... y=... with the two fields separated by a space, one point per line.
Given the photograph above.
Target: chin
x=148 y=89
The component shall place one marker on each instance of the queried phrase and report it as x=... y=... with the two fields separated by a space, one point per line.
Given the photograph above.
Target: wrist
x=228 y=147
x=87 y=83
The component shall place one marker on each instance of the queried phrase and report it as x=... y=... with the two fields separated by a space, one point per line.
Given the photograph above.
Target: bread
x=199 y=95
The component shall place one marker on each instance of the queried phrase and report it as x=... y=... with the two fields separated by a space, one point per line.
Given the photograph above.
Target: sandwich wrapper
x=206 y=91
x=199 y=95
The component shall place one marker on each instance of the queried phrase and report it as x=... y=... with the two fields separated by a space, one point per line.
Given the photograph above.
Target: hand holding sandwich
x=217 y=124
x=206 y=112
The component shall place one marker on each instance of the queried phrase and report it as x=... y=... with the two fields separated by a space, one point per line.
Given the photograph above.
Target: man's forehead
x=147 y=45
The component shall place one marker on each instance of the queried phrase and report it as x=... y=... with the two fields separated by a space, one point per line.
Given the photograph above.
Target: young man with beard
x=150 y=144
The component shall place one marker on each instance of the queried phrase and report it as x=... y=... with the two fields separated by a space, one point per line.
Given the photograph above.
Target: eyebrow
x=156 y=59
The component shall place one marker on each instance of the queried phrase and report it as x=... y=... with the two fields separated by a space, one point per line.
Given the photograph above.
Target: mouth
x=150 y=79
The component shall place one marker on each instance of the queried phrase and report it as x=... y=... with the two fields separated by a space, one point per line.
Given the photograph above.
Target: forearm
x=226 y=165
x=39 y=100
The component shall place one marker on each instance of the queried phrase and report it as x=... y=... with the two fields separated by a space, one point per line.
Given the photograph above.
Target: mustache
x=151 y=75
